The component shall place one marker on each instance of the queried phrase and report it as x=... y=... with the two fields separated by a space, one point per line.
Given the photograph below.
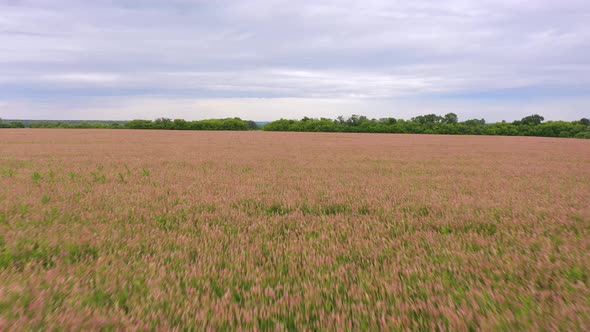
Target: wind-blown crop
x=292 y=231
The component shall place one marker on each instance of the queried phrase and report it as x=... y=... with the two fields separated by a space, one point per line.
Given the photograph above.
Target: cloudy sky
x=270 y=59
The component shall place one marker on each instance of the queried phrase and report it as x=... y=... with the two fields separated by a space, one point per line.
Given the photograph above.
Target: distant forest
x=449 y=124
x=161 y=123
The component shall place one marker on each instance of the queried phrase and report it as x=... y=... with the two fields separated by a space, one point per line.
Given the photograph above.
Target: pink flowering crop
x=118 y=229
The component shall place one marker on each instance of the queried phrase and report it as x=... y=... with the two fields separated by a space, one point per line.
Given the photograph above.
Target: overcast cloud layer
x=270 y=59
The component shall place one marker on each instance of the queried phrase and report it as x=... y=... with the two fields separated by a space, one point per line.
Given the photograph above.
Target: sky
x=269 y=59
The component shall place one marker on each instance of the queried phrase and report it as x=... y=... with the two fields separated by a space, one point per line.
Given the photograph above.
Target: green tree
x=534 y=119
x=179 y=124
x=252 y=125
x=388 y=121
x=356 y=120
x=475 y=122
x=163 y=123
x=451 y=118
x=428 y=118
x=140 y=124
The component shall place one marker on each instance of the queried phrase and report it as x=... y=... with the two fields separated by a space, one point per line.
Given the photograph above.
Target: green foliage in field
x=11 y=124
x=532 y=125
x=449 y=124
x=161 y=123
x=179 y=124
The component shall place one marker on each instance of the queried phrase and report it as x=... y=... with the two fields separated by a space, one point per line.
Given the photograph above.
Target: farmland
x=292 y=231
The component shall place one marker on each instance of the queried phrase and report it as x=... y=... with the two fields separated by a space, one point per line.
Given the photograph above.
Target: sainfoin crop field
x=167 y=230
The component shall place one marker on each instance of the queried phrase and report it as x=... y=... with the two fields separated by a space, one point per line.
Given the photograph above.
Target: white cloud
x=304 y=50
x=82 y=78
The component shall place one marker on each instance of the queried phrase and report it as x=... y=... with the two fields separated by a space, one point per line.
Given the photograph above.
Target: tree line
x=11 y=124
x=161 y=123
x=532 y=125
x=180 y=124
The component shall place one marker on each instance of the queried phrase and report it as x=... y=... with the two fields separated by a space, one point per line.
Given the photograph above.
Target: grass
x=292 y=231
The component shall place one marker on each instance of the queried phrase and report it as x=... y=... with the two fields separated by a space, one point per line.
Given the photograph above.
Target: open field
x=295 y=231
